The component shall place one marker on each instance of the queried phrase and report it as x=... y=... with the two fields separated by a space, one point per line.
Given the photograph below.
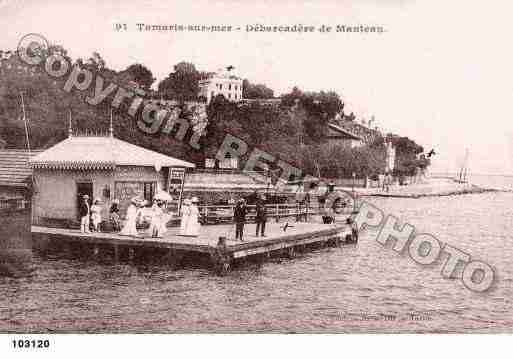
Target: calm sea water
x=359 y=288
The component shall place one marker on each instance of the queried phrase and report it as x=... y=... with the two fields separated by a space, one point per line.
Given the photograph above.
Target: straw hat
x=85 y=196
x=195 y=200
x=187 y=201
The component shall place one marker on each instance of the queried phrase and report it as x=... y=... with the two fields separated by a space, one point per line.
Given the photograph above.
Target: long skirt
x=129 y=229
x=192 y=227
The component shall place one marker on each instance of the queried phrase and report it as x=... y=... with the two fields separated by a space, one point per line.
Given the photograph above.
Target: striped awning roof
x=15 y=170
x=94 y=152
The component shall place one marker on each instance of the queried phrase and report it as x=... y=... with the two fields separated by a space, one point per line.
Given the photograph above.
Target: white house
x=221 y=83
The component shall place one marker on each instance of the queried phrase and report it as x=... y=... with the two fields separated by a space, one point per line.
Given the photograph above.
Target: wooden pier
x=215 y=242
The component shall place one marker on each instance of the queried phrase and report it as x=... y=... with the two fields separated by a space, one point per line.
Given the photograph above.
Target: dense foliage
x=293 y=131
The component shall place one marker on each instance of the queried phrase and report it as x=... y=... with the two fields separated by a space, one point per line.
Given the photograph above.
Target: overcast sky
x=440 y=74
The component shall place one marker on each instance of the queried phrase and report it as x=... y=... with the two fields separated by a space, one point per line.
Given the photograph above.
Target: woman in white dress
x=96 y=216
x=156 y=220
x=163 y=222
x=193 y=227
x=130 y=228
x=186 y=214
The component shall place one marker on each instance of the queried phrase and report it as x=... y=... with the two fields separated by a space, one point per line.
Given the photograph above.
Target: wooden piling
x=116 y=253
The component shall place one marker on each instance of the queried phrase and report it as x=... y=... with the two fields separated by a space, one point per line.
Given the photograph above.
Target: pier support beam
x=116 y=253
x=220 y=259
x=131 y=254
x=291 y=253
x=96 y=251
x=174 y=258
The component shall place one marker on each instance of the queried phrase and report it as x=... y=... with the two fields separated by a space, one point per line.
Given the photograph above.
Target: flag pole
x=25 y=122
x=111 y=129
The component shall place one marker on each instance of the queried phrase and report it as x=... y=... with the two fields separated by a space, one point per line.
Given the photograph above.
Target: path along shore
x=430 y=187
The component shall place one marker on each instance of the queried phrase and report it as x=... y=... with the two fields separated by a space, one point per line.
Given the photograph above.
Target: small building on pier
x=101 y=167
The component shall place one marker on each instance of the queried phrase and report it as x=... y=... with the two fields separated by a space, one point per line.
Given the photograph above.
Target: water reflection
x=15 y=243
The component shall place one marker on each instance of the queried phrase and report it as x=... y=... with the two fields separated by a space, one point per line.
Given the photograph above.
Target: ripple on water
x=350 y=289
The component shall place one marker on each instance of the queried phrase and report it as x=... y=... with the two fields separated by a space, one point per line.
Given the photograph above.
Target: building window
x=235 y=87
x=212 y=94
x=220 y=86
x=229 y=86
x=229 y=95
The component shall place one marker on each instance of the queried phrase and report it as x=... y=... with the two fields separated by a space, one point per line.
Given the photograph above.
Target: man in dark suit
x=84 y=212
x=261 y=216
x=239 y=216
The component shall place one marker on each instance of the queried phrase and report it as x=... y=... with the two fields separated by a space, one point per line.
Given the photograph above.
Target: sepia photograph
x=274 y=167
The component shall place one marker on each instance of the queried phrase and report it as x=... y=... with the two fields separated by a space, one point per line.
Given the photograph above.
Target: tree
x=257 y=91
x=141 y=74
x=182 y=84
x=96 y=61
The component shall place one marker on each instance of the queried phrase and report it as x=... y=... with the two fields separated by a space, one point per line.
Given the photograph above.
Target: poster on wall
x=175 y=185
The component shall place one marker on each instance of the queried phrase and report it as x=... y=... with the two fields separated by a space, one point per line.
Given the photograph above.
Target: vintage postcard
x=255 y=167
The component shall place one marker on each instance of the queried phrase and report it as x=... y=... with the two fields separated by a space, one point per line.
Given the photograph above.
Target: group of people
x=384 y=181
x=90 y=215
x=134 y=214
x=239 y=216
x=91 y=219
x=189 y=224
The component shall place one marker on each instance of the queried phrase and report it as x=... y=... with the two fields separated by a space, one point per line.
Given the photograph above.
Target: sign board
x=231 y=163
x=175 y=184
x=210 y=162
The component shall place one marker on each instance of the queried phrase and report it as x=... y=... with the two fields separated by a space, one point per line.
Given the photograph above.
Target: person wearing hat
x=156 y=219
x=239 y=217
x=96 y=216
x=130 y=228
x=261 y=216
x=189 y=225
x=186 y=212
x=85 y=212
x=194 y=225
x=114 y=215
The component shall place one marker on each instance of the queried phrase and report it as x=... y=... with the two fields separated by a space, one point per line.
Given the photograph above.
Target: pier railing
x=13 y=204
x=220 y=214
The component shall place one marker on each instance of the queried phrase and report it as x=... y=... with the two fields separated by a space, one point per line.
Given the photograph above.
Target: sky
x=439 y=74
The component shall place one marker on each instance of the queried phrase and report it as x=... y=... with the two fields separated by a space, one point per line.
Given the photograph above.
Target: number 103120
x=28 y=344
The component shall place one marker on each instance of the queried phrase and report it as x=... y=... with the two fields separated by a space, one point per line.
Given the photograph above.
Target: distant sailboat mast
x=463 y=169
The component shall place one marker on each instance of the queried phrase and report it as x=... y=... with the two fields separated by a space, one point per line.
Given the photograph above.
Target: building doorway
x=149 y=191
x=84 y=188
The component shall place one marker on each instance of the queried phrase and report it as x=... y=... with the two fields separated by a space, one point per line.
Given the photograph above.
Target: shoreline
x=432 y=187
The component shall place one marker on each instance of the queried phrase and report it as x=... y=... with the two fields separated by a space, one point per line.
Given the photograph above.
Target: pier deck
x=208 y=241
